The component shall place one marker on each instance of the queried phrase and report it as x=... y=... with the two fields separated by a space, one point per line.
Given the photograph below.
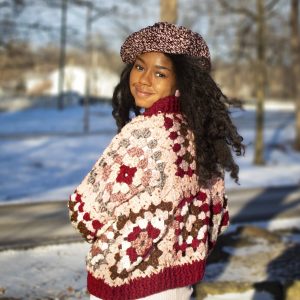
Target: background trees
x=295 y=59
x=254 y=44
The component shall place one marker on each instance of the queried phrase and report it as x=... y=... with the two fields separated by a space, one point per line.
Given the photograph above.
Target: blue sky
x=112 y=27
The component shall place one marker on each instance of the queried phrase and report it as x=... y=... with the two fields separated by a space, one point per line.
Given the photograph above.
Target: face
x=152 y=78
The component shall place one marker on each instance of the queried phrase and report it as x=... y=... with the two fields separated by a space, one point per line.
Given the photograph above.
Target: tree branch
x=271 y=5
x=237 y=10
x=32 y=26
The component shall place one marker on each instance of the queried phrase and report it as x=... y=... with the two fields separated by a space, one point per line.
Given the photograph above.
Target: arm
x=130 y=170
x=219 y=211
x=130 y=241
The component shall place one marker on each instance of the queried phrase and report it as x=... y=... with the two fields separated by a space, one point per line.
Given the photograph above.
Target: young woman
x=154 y=203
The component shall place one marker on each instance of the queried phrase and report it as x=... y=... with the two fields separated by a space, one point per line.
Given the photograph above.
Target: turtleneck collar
x=169 y=104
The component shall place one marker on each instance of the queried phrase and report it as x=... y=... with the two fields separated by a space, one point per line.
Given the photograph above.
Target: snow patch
x=249 y=295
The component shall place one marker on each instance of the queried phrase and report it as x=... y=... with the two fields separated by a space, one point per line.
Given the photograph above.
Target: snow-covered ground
x=48 y=166
x=58 y=271
x=53 y=156
x=51 y=272
x=44 y=153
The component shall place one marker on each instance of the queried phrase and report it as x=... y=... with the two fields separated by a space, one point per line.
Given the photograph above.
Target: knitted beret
x=167 y=38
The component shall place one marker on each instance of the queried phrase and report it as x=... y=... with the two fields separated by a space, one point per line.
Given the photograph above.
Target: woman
x=154 y=203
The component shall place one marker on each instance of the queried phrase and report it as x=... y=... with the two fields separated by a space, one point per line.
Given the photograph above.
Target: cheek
x=131 y=81
x=174 y=84
x=131 y=77
x=170 y=87
x=173 y=89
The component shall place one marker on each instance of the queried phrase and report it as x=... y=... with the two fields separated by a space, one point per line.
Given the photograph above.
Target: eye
x=161 y=75
x=139 y=67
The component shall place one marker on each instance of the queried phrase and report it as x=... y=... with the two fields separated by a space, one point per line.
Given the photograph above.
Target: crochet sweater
x=150 y=223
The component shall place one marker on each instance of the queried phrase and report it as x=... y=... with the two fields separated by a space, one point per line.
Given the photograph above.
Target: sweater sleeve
x=120 y=203
x=219 y=211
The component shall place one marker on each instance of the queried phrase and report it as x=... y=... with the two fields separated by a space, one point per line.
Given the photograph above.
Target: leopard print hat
x=167 y=38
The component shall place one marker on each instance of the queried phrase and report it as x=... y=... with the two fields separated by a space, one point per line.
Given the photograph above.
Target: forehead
x=157 y=58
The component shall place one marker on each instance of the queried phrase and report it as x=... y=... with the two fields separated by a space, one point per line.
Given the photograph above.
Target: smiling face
x=152 y=78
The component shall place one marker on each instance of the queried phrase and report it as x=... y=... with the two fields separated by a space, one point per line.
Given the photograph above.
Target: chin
x=143 y=103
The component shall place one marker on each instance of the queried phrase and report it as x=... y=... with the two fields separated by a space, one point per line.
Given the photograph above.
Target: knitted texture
x=166 y=38
x=150 y=224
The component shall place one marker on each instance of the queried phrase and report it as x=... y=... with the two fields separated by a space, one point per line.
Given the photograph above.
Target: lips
x=141 y=92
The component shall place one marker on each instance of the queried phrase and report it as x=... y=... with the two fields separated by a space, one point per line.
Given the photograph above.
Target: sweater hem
x=169 y=278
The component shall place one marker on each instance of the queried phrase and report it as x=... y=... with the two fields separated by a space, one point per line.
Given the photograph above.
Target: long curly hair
x=206 y=110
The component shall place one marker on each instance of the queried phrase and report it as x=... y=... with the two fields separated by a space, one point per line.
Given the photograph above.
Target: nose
x=145 y=77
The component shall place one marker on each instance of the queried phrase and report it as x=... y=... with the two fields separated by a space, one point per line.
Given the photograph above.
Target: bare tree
x=88 y=69
x=93 y=12
x=257 y=16
x=295 y=51
x=9 y=11
x=168 y=11
x=62 y=56
x=260 y=82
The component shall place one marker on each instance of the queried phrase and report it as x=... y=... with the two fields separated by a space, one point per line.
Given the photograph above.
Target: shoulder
x=141 y=130
x=144 y=122
x=158 y=122
x=148 y=135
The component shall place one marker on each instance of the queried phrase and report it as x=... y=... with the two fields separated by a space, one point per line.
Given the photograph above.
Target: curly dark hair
x=206 y=110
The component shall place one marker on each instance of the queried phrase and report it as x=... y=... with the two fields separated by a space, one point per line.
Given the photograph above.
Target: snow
x=271 y=225
x=51 y=121
x=52 y=271
x=243 y=251
x=58 y=271
x=49 y=163
x=249 y=295
x=44 y=155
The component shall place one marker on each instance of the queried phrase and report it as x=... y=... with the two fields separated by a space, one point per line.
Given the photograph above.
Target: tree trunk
x=62 y=56
x=260 y=83
x=295 y=51
x=88 y=69
x=168 y=11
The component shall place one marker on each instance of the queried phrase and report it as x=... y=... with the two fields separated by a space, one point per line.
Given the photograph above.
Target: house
x=102 y=82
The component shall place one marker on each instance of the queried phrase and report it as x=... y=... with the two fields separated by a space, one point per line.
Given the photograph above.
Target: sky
x=117 y=20
x=120 y=18
x=127 y=15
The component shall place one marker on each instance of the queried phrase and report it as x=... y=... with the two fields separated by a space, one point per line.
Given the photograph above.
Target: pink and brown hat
x=167 y=38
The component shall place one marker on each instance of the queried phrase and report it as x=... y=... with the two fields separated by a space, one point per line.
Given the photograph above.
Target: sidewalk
x=33 y=224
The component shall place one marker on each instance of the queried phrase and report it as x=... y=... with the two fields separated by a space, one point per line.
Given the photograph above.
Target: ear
x=177 y=93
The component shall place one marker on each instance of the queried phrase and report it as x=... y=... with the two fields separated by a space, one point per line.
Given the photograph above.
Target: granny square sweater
x=150 y=224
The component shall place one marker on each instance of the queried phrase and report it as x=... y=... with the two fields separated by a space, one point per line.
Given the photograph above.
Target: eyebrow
x=157 y=66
